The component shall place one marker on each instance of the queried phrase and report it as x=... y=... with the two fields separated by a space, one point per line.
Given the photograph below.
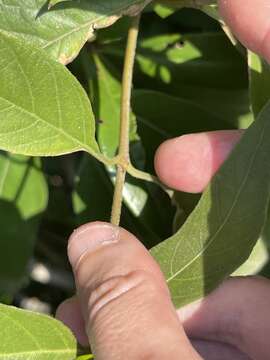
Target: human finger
x=236 y=313
x=187 y=163
x=250 y=21
x=124 y=298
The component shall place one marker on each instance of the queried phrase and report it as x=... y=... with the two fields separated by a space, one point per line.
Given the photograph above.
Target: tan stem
x=123 y=154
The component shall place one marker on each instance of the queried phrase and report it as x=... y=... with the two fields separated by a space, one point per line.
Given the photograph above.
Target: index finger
x=250 y=21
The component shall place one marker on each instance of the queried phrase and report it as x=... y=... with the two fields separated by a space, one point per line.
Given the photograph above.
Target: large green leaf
x=204 y=59
x=166 y=117
x=203 y=68
x=224 y=227
x=43 y=109
x=26 y=335
x=23 y=197
x=64 y=29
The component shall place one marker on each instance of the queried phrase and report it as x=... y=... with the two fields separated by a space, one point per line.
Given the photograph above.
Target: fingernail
x=89 y=238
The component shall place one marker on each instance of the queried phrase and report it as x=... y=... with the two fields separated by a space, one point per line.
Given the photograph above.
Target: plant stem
x=123 y=154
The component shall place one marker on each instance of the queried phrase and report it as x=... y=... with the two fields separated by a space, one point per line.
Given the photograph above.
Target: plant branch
x=123 y=155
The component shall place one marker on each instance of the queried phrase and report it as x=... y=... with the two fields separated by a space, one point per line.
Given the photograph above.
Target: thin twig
x=123 y=155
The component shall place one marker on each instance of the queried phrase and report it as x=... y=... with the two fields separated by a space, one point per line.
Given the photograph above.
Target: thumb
x=124 y=298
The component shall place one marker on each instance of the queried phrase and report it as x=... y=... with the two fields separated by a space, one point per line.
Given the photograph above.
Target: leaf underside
x=224 y=227
x=43 y=108
x=26 y=335
x=63 y=30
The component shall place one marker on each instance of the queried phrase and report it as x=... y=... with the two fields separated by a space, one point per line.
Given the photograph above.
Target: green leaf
x=167 y=117
x=202 y=68
x=85 y=357
x=224 y=227
x=64 y=29
x=204 y=59
x=43 y=108
x=92 y=187
x=23 y=198
x=256 y=261
x=163 y=10
x=259 y=82
x=26 y=335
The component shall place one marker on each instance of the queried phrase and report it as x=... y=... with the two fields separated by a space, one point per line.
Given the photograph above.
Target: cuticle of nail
x=87 y=229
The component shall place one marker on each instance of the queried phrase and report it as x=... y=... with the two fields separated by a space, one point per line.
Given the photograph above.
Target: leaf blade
x=42 y=103
x=64 y=29
x=26 y=335
x=221 y=232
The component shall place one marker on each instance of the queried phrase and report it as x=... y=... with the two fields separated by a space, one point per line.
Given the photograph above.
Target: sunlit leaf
x=26 y=335
x=256 y=261
x=43 y=109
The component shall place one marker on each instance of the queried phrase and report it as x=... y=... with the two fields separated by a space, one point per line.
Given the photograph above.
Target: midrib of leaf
x=226 y=217
x=35 y=352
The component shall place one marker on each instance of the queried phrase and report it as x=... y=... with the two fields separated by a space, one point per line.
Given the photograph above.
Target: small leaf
x=43 y=108
x=26 y=335
x=224 y=227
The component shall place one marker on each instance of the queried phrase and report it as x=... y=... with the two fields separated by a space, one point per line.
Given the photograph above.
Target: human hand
x=127 y=312
x=123 y=296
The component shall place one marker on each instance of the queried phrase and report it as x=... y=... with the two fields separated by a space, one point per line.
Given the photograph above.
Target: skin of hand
x=123 y=306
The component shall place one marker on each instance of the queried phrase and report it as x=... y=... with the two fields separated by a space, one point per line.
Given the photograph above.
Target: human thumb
x=124 y=298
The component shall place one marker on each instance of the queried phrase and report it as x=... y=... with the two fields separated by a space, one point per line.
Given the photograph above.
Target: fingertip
x=89 y=237
x=187 y=163
x=184 y=163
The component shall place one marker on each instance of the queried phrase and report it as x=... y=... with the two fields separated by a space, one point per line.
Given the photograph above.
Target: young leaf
x=224 y=227
x=63 y=30
x=26 y=335
x=43 y=109
x=182 y=117
x=23 y=198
